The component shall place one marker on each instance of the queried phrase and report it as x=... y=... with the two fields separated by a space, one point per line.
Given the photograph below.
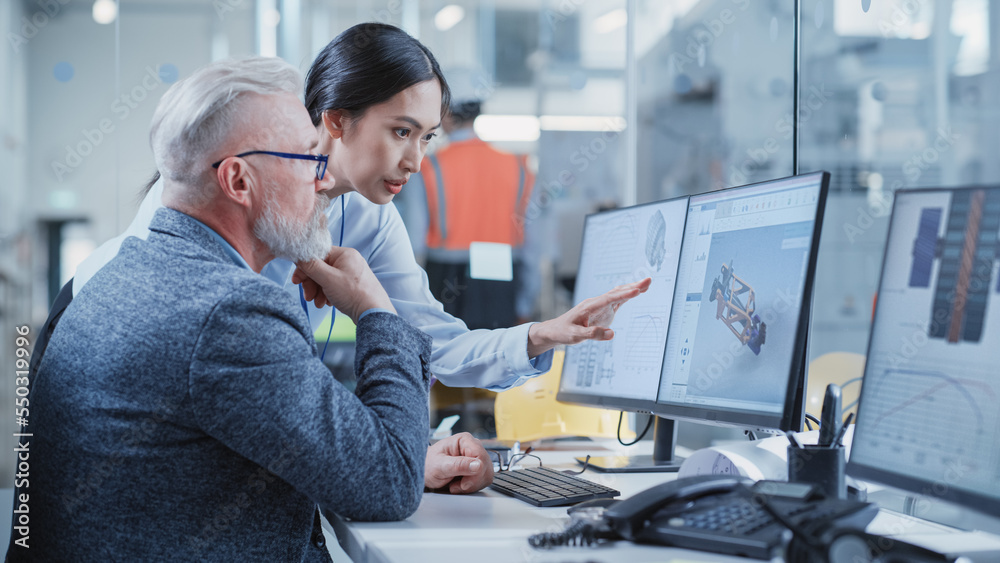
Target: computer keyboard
x=542 y=486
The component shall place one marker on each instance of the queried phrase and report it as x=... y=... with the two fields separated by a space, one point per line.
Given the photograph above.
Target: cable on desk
x=809 y=420
x=640 y=437
x=761 y=501
x=813 y=538
x=576 y=534
x=586 y=463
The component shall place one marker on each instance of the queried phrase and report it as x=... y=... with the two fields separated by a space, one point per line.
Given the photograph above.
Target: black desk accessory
x=823 y=464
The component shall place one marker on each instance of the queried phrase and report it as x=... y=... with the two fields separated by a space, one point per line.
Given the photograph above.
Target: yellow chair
x=843 y=368
x=530 y=412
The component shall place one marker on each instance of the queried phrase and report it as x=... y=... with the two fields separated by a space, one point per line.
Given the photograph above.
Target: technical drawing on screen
x=622 y=246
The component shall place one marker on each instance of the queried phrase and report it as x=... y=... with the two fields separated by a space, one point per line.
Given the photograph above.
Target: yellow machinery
x=530 y=412
x=843 y=368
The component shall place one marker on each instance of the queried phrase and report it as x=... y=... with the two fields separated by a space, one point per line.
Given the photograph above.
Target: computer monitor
x=736 y=345
x=746 y=347
x=928 y=420
x=622 y=246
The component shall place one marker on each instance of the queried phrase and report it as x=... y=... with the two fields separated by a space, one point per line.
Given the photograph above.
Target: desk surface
x=489 y=527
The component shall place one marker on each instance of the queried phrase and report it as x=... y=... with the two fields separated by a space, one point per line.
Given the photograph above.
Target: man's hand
x=343 y=280
x=458 y=463
x=587 y=321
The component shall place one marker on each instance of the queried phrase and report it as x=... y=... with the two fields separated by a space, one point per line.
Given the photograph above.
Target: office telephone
x=721 y=514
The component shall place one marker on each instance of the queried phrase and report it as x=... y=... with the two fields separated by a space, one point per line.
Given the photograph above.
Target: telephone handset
x=628 y=517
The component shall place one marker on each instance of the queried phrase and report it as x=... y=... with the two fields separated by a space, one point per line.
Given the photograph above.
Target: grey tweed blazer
x=181 y=413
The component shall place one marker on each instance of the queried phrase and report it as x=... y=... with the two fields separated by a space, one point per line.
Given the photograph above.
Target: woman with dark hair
x=377 y=96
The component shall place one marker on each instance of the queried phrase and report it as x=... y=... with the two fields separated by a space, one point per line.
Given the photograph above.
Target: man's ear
x=236 y=181
x=335 y=122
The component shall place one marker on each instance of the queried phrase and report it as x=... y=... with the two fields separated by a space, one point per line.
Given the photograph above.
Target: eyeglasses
x=321 y=159
x=513 y=459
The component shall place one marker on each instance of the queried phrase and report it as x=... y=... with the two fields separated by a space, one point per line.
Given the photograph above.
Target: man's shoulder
x=176 y=258
x=173 y=271
x=247 y=288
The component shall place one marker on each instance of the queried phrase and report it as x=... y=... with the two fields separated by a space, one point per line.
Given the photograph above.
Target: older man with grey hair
x=180 y=411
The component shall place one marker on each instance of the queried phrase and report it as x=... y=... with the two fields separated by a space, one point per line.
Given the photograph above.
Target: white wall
x=13 y=118
x=40 y=116
x=88 y=146
x=15 y=263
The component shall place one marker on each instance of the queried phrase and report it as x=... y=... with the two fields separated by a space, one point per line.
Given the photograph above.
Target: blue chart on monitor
x=963 y=260
x=622 y=246
x=739 y=286
x=930 y=395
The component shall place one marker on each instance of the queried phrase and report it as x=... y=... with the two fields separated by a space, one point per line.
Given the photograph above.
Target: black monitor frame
x=880 y=474
x=604 y=401
x=665 y=430
x=791 y=416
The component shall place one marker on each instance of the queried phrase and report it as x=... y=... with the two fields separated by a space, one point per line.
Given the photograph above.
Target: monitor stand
x=663 y=458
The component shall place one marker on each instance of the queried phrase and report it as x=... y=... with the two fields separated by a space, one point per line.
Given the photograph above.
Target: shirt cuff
x=517 y=353
x=542 y=362
x=375 y=310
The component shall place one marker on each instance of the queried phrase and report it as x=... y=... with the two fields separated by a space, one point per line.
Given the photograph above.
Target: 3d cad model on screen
x=727 y=290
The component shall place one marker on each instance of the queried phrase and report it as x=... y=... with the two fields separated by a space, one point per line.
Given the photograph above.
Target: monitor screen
x=736 y=340
x=622 y=246
x=928 y=420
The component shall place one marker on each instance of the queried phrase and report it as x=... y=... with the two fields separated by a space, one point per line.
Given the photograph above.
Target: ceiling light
x=105 y=11
x=615 y=19
x=271 y=18
x=582 y=123
x=507 y=127
x=448 y=17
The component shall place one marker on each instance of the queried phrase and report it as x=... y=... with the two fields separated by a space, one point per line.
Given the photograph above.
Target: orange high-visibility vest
x=475 y=193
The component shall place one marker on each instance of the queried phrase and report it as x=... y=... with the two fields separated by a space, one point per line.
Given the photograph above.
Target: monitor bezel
x=790 y=417
x=604 y=401
x=927 y=488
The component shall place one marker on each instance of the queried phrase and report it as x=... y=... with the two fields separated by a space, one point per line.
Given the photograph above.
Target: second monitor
x=736 y=346
x=720 y=336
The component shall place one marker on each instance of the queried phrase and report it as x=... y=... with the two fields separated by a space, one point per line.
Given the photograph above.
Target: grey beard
x=297 y=242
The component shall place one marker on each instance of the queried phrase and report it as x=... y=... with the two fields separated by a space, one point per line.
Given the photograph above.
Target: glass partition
x=893 y=95
x=715 y=95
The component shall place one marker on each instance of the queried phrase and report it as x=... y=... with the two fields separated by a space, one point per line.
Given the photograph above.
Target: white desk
x=489 y=527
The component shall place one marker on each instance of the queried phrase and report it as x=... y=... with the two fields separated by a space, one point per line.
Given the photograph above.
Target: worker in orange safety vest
x=474 y=193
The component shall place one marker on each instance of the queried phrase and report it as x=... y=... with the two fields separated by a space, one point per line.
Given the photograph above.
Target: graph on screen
x=901 y=399
x=647 y=333
x=928 y=416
